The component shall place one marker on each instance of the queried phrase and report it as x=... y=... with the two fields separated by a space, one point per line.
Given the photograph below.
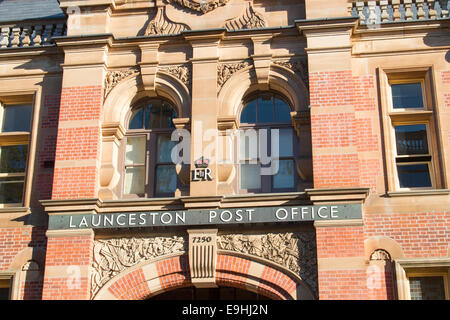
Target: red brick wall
x=424 y=234
x=78 y=143
x=336 y=97
x=69 y=252
x=12 y=242
x=339 y=242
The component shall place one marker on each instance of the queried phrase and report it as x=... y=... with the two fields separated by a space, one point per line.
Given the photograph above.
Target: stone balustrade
x=386 y=11
x=15 y=36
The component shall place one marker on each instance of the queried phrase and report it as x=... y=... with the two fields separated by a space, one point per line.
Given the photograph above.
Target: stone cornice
x=314 y=196
x=84 y=40
x=337 y=195
x=326 y=25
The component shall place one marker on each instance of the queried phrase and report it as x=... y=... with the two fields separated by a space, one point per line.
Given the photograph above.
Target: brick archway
x=150 y=279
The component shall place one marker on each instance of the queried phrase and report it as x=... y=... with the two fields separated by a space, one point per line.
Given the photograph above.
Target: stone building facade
x=356 y=95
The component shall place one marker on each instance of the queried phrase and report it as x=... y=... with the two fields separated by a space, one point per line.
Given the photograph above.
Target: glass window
x=284 y=179
x=266 y=116
x=248 y=115
x=4 y=289
x=414 y=175
x=250 y=176
x=135 y=180
x=411 y=139
x=166 y=179
x=266 y=108
x=16 y=118
x=407 y=95
x=427 y=288
x=149 y=170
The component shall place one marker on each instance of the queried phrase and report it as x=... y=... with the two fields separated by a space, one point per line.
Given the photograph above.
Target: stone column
x=204 y=107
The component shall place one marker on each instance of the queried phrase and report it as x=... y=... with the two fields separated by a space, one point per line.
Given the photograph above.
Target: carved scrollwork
x=114 y=77
x=225 y=71
x=299 y=67
x=113 y=256
x=202 y=6
x=294 y=251
x=380 y=254
x=249 y=20
x=161 y=24
x=182 y=73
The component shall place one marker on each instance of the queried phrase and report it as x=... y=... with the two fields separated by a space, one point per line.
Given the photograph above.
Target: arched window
x=266 y=134
x=148 y=167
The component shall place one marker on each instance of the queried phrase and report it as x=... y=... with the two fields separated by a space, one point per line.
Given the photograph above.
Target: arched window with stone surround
x=148 y=167
x=263 y=114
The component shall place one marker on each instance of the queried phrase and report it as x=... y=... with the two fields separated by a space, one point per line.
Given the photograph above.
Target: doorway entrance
x=220 y=293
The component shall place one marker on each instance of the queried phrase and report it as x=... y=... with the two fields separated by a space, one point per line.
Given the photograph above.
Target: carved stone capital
x=226 y=123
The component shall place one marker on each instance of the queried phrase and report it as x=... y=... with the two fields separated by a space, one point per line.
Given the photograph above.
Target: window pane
x=414 y=175
x=155 y=115
x=17 y=118
x=135 y=150
x=285 y=176
x=4 y=289
x=13 y=158
x=411 y=139
x=282 y=111
x=166 y=179
x=265 y=109
x=136 y=119
x=134 y=180
x=167 y=116
x=407 y=95
x=248 y=115
x=248 y=144
x=284 y=144
x=4 y=293
x=250 y=176
x=427 y=288
x=165 y=146
x=11 y=189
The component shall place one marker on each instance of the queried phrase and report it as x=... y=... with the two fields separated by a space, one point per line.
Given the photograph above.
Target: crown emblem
x=201 y=163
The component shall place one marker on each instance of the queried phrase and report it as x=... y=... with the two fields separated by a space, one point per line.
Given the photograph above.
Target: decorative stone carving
x=202 y=6
x=249 y=20
x=161 y=24
x=30 y=265
x=202 y=257
x=182 y=73
x=113 y=256
x=225 y=71
x=114 y=77
x=380 y=254
x=294 y=251
x=299 y=67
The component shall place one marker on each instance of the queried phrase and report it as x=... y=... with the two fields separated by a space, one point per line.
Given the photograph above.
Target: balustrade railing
x=385 y=11
x=14 y=36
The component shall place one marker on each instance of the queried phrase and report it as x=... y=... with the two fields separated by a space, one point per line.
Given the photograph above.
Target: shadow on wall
x=439 y=38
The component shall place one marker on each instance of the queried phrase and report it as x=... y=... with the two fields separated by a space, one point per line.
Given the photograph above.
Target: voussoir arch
x=242 y=83
x=151 y=278
x=120 y=99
